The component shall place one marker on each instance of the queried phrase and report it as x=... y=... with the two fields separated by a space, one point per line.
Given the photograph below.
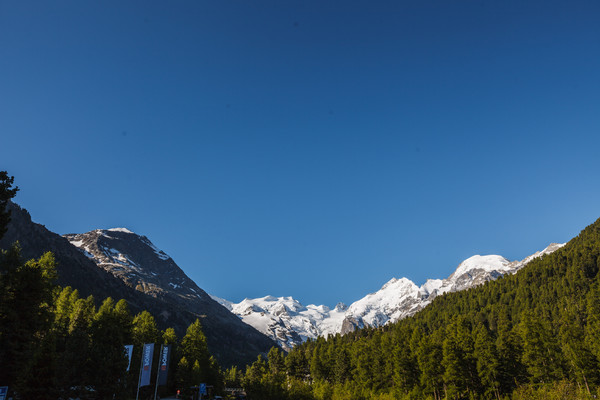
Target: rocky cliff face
x=122 y=265
x=139 y=264
x=74 y=269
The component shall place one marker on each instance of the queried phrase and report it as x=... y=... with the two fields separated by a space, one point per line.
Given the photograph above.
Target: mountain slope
x=536 y=331
x=229 y=339
x=287 y=321
x=138 y=263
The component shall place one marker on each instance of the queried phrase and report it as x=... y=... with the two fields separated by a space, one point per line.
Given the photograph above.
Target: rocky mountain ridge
x=136 y=261
x=140 y=265
x=287 y=321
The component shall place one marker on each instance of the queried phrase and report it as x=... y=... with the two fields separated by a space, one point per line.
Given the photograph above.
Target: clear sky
x=313 y=149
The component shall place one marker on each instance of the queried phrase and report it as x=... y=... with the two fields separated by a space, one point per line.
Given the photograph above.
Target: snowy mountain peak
x=389 y=283
x=136 y=261
x=288 y=322
x=431 y=286
x=487 y=263
x=396 y=284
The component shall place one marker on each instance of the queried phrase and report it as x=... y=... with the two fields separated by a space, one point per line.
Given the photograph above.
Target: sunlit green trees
x=534 y=333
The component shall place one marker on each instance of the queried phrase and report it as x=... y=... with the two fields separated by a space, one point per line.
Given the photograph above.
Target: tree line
x=532 y=335
x=55 y=344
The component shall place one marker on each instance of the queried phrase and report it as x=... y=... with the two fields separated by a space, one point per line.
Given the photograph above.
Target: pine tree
x=429 y=356
x=145 y=329
x=342 y=366
x=254 y=380
x=540 y=350
x=194 y=348
x=170 y=337
x=63 y=305
x=25 y=314
x=276 y=360
x=511 y=370
x=582 y=363
x=592 y=329
x=7 y=192
x=487 y=361
x=406 y=369
x=233 y=377
x=297 y=365
x=110 y=330
x=75 y=361
x=183 y=375
x=318 y=363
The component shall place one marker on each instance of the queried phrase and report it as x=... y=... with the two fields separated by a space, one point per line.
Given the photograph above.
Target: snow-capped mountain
x=140 y=265
x=285 y=320
x=136 y=261
x=288 y=322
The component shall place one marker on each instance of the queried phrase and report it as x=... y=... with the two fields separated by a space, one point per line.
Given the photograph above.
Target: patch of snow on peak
x=377 y=309
x=77 y=243
x=226 y=303
x=487 y=263
x=552 y=247
x=392 y=290
x=160 y=254
x=124 y=230
x=389 y=283
x=431 y=286
x=87 y=253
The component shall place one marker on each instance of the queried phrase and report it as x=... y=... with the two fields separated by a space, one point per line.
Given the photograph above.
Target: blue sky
x=306 y=148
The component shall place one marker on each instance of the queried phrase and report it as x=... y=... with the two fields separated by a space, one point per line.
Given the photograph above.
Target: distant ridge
x=287 y=321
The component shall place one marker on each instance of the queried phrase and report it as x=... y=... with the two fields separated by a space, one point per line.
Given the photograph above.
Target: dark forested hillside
x=532 y=332
x=229 y=339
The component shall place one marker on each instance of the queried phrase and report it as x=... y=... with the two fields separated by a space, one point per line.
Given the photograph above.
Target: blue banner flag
x=128 y=353
x=163 y=364
x=146 y=371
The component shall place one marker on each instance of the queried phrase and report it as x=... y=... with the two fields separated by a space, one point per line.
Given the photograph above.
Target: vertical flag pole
x=137 y=395
x=158 y=370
